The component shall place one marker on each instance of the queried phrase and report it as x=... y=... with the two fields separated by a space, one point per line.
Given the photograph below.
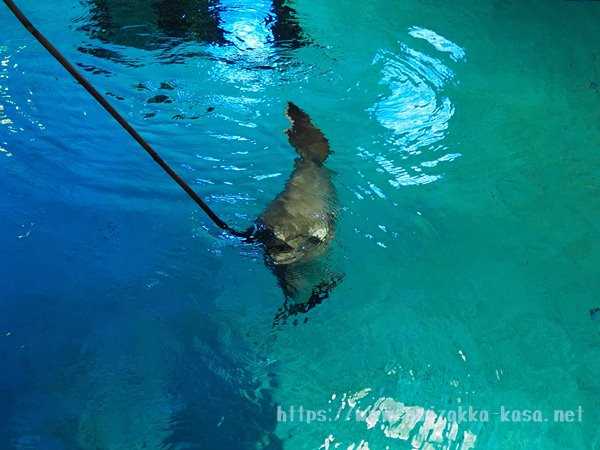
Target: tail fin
x=310 y=142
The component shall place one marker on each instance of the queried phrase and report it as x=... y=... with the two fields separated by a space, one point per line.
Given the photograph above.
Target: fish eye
x=313 y=240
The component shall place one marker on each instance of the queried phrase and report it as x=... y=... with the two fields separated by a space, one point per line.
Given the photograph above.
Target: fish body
x=297 y=227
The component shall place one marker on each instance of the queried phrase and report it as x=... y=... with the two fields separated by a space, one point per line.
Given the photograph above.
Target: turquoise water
x=466 y=140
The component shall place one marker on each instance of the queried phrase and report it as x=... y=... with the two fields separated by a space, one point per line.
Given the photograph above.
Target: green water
x=498 y=259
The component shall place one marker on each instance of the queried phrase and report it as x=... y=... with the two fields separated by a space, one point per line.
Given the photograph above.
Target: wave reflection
x=221 y=27
x=416 y=111
x=423 y=427
x=440 y=43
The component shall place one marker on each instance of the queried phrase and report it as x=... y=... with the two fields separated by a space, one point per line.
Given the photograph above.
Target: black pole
x=119 y=118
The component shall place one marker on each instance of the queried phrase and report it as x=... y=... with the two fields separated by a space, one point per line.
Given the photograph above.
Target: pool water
x=466 y=139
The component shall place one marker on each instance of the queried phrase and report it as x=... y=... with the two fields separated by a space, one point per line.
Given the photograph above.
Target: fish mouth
x=280 y=259
x=307 y=250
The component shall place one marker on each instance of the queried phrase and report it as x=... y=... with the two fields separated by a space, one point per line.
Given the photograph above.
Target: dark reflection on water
x=164 y=24
x=105 y=53
x=150 y=25
x=285 y=27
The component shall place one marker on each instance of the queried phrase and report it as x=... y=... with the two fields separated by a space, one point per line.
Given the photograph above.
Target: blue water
x=465 y=141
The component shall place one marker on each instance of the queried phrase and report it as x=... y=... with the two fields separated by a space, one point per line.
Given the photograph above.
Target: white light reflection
x=423 y=428
x=415 y=110
x=440 y=43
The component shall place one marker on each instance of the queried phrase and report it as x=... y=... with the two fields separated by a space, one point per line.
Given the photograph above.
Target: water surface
x=466 y=142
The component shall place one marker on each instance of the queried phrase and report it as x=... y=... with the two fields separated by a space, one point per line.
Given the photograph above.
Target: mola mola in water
x=298 y=225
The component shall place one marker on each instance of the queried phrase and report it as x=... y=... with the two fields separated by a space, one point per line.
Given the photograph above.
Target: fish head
x=286 y=246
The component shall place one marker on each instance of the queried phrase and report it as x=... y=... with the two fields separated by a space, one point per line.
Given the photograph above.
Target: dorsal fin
x=309 y=141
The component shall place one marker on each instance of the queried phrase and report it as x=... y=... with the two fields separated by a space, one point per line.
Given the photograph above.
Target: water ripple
x=440 y=43
x=415 y=111
x=10 y=110
x=423 y=427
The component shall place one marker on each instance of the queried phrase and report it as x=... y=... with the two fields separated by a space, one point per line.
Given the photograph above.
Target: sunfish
x=297 y=227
